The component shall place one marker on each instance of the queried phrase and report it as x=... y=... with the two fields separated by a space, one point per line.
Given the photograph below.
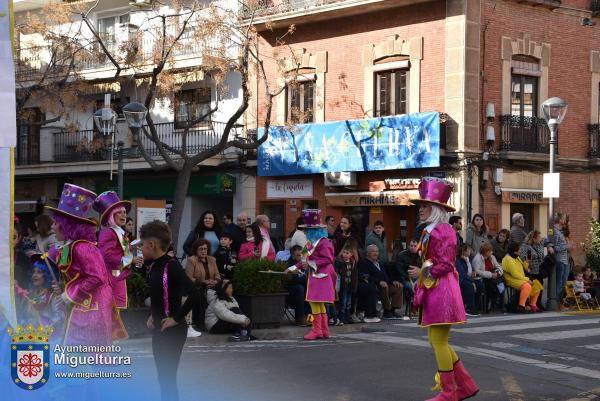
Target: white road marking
x=590 y=346
x=525 y=326
x=501 y=318
x=482 y=352
x=559 y=335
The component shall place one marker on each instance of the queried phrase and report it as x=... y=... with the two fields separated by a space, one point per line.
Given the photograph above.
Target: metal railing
x=90 y=145
x=31 y=63
x=524 y=134
x=594 y=134
x=595 y=7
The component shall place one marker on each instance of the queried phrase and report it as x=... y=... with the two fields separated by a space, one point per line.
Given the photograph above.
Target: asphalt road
x=547 y=356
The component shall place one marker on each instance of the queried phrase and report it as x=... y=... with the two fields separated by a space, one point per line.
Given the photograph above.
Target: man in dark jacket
x=386 y=287
x=456 y=223
x=399 y=271
x=237 y=231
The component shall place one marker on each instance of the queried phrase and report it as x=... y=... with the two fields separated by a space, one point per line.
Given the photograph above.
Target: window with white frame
x=391 y=94
x=300 y=101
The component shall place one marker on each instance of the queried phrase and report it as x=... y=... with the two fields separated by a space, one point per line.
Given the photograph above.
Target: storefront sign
x=385 y=143
x=394 y=183
x=373 y=199
x=524 y=196
x=283 y=189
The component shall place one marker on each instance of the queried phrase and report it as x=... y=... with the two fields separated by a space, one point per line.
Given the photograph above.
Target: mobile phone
x=529 y=254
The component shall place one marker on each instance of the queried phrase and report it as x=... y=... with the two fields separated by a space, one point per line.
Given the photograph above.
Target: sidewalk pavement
x=286 y=332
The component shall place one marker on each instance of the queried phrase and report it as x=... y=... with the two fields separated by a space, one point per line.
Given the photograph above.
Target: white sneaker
x=371 y=320
x=191 y=333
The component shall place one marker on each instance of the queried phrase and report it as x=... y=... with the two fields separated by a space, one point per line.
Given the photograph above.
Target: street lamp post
x=135 y=114
x=554 y=110
x=105 y=120
x=120 y=169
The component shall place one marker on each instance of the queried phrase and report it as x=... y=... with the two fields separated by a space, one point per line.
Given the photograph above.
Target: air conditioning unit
x=340 y=179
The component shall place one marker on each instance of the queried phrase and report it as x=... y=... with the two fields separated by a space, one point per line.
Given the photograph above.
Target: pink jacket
x=110 y=247
x=88 y=288
x=321 y=289
x=247 y=251
x=441 y=304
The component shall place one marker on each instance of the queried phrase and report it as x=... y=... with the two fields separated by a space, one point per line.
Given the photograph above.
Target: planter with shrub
x=136 y=314
x=261 y=295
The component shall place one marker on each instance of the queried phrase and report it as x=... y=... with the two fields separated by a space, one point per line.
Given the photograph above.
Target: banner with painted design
x=385 y=143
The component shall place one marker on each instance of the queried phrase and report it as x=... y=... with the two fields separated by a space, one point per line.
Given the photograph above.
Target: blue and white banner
x=386 y=143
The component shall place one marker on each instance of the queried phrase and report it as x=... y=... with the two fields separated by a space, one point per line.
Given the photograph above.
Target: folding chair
x=572 y=300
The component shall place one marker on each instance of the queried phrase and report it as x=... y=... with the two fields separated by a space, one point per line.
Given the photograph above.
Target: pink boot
x=448 y=387
x=465 y=385
x=324 y=325
x=316 y=331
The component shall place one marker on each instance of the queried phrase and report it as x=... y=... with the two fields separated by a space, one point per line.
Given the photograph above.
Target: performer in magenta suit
x=317 y=258
x=87 y=290
x=437 y=293
x=114 y=246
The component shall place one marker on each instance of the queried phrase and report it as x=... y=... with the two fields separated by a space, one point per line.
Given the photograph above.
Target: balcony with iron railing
x=32 y=63
x=524 y=134
x=303 y=11
x=594 y=135
x=90 y=146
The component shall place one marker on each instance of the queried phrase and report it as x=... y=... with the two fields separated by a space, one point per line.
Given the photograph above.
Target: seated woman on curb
x=224 y=315
x=487 y=267
x=514 y=276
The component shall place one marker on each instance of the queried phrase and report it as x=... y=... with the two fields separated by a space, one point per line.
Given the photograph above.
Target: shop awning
x=164 y=188
x=384 y=198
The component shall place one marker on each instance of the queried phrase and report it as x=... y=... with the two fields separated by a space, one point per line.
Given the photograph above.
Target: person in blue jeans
x=466 y=274
x=347 y=272
x=557 y=240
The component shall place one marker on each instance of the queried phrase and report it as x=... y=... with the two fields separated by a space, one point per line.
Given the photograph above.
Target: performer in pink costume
x=437 y=294
x=87 y=291
x=115 y=249
x=317 y=258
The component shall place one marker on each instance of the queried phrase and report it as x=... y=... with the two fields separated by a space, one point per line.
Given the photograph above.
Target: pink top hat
x=75 y=202
x=435 y=191
x=108 y=201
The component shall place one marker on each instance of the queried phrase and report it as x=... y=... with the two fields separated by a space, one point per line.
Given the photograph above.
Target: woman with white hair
x=437 y=294
x=517 y=230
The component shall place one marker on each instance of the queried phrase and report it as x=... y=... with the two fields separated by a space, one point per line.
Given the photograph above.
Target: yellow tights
x=444 y=354
x=317 y=307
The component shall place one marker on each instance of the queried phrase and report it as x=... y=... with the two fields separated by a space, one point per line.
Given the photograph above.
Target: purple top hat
x=312 y=218
x=435 y=191
x=108 y=201
x=75 y=202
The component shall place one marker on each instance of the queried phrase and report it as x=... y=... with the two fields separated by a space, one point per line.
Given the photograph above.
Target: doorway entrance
x=526 y=209
x=276 y=213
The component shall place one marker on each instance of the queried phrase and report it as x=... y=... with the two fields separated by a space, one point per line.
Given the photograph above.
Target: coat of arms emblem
x=30 y=356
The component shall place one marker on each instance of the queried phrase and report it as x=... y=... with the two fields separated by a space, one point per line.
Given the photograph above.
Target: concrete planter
x=264 y=310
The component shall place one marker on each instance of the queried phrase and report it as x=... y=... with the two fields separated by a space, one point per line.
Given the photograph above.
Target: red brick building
x=485 y=66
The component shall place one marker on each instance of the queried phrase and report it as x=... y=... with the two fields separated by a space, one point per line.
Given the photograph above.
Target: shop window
x=190 y=105
x=300 y=102
x=391 y=95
